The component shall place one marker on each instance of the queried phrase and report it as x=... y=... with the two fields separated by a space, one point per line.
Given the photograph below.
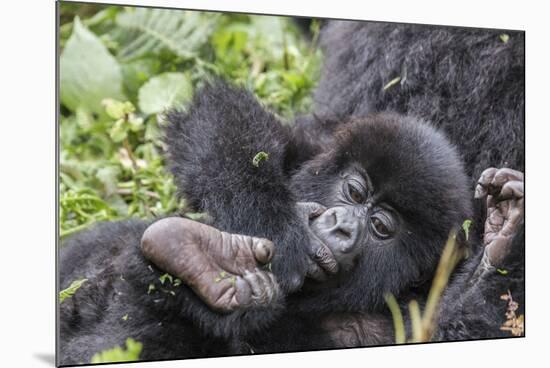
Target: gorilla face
x=392 y=189
x=355 y=219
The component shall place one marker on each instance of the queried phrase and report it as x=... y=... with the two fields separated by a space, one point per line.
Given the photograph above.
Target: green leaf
x=151 y=288
x=84 y=119
x=502 y=271
x=259 y=157
x=88 y=72
x=68 y=292
x=108 y=176
x=466 y=227
x=125 y=317
x=164 y=91
x=504 y=38
x=117 y=109
x=148 y=31
x=119 y=131
x=117 y=354
x=196 y=216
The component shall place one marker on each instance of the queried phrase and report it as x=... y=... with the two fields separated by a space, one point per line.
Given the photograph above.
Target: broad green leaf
x=88 y=72
x=147 y=31
x=117 y=354
x=68 y=292
x=164 y=91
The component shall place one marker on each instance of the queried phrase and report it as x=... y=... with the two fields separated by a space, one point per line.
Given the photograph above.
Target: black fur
x=467 y=83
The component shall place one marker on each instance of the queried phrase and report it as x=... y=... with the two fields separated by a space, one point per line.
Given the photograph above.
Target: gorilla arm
x=472 y=306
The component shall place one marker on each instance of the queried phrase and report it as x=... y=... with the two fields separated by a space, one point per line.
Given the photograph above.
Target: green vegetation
x=121 y=68
x=68 y=292
x=118 y=354
x=423 y=323
x=259 y=157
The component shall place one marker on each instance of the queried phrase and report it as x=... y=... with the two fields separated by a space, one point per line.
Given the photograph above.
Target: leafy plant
x=121 y=68
x=147 y=30
x=118 y=354
x=423 y=323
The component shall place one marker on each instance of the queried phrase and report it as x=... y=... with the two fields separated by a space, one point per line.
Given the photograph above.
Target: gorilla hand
x=221 y=268
x=505 y=211
x=321 y=262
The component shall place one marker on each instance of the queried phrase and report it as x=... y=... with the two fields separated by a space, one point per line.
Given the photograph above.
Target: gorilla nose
x=339 y=228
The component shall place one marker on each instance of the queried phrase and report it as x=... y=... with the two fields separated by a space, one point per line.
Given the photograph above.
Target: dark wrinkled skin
x=502 y=190
x=223 y=269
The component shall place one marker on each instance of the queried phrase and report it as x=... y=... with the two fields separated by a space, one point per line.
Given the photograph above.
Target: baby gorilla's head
x=394 y=187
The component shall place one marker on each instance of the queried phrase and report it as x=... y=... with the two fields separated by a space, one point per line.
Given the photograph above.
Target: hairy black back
x=469 y=82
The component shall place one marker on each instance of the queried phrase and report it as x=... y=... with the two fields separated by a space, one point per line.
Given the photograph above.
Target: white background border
x=27 y=184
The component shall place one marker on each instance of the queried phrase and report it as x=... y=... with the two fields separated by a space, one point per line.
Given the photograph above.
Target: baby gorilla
x=375 y=208
x=295 y=253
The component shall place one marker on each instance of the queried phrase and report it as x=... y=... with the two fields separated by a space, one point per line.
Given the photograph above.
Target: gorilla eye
x=381 y=225
x=355 y=194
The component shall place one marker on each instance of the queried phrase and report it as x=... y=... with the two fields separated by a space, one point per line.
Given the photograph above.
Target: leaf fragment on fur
x=68 y=292
x=165 y=277
x=259 y=157
x=391 y=83
x=466 y=227
x=504 y=38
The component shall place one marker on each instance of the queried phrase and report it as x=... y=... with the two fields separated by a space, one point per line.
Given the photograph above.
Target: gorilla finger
x=515 y=218
x=263 y=250
x=480 y=191
x=311 y=209
x=487 y=176
x=256 y=284
x=222 y=296
x=266 y=286
x=274 y=285
x=512 y=189
x=505 y=174
x=243 y=294
x=501 y=177
x=483 y=182
x=324 y=257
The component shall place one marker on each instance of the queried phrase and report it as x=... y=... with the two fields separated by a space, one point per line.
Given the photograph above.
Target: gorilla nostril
x=342 y=233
